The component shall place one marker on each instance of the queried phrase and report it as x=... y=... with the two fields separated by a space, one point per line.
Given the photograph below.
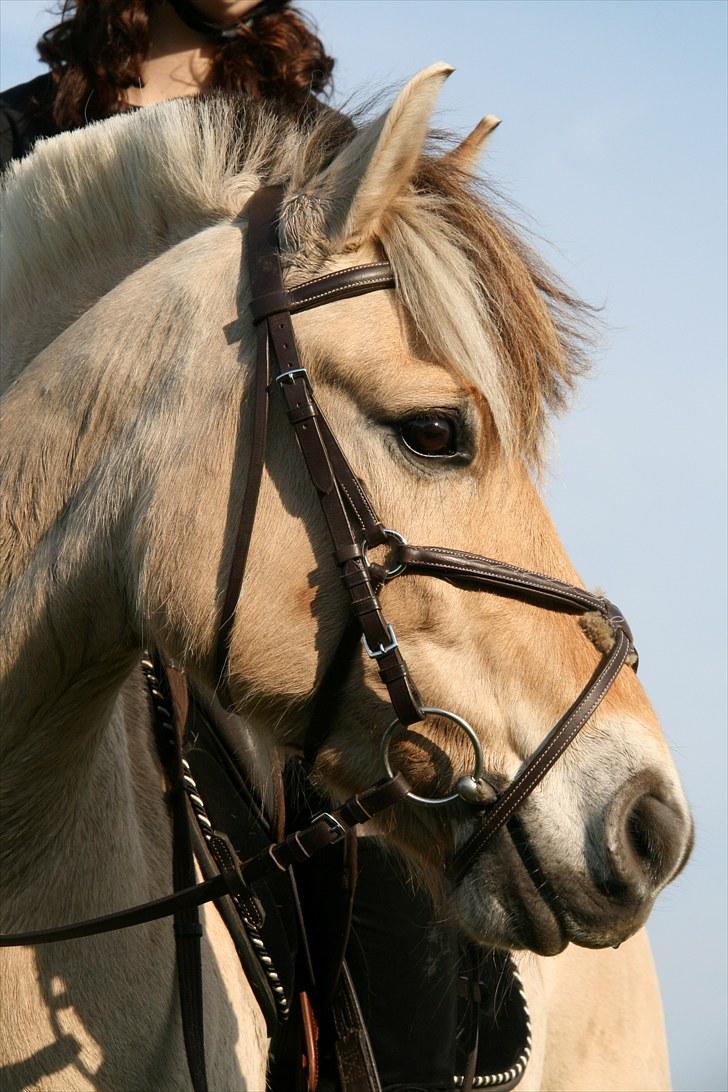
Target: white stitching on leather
x=583 y=595
x=337 y=291
x=506 y=578
x=338 y=273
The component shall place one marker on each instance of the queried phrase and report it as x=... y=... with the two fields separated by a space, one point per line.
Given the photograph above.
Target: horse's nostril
x=654 y=833
x=638 y=833
x=647 y=835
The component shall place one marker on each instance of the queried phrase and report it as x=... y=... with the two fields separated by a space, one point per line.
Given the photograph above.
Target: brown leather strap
x=252 y=486
x=353 y=488
x=187 y=925
x=346 y=507
x=310 y=1041
x=541 y=761
x=328 y=828
x=357 y=280
x=461 y=568
x=348 y=537
x=122 y=919
x=325 y=830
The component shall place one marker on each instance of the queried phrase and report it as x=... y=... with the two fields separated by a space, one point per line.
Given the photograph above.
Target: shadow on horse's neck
x=68 y=646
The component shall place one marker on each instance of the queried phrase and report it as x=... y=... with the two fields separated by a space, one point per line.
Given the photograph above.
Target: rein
x=355 y=529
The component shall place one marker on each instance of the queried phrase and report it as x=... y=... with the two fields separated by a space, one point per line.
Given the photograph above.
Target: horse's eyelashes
x=431 y=435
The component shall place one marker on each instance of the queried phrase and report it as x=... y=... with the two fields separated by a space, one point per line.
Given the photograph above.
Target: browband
x=340 y=285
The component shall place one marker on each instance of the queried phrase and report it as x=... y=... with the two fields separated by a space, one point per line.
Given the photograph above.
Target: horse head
x=416 y=381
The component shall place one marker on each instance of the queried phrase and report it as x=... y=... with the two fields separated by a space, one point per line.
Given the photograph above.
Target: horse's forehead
x=368 y=345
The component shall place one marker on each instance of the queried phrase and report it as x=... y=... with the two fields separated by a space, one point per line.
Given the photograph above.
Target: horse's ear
x=358 y=186
x=465 y=157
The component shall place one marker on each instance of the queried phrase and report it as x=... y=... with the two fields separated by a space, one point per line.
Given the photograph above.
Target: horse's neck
x=85 y=829
x=85 y=832
x=67 y=644
x=596 y=1019
x=66 y=650
x=65 y=653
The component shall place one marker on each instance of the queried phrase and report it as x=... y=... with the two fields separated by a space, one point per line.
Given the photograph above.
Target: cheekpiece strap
x=349 y=513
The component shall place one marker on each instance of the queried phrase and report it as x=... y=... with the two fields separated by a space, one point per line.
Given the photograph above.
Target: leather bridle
x=355 y=529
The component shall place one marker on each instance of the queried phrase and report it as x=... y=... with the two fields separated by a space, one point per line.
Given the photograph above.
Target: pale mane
x=90 y=207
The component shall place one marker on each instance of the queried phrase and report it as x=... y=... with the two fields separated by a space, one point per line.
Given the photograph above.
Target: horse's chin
x=508 y=914
x=517 y=924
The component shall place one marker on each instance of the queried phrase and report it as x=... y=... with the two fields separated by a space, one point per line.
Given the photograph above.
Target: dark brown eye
x=433 y=435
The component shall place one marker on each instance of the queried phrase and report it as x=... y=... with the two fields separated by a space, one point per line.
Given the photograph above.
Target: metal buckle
x=289 y=376
x=377 y=653
x=274 y=859
x=475 y=776
x=335 y=826
x=396 y=569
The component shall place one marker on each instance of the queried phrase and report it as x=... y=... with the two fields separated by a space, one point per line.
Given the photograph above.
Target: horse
x=128 y=352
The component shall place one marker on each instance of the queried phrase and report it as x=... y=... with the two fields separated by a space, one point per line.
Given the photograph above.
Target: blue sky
x=614 y=142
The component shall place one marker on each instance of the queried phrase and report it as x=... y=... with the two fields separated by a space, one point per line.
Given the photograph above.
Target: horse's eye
x=433 y=435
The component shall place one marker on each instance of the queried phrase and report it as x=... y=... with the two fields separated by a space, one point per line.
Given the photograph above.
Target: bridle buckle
x=337 y=828
x=382 y=650
x=290 y=375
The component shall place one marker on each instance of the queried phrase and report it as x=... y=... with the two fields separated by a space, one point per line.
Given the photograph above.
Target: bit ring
x=476 y=775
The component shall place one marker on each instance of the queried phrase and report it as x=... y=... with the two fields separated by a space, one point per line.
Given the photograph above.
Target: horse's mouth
x=507 y=902
x=512 y=902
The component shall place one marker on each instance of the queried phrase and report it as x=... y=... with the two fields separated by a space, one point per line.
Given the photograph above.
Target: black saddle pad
x=417 y=979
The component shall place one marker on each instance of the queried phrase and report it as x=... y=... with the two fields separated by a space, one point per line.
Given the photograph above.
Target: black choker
x=192 y=18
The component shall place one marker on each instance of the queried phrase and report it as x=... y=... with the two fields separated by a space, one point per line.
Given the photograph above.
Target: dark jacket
x=26 y=114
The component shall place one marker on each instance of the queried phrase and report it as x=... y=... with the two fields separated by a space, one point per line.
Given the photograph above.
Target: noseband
x=355 y=529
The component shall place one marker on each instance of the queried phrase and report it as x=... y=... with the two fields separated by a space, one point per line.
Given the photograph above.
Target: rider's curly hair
x=97 y=49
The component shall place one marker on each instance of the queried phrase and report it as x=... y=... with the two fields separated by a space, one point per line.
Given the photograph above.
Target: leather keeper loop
x=292 y=851
x=271 y=303
x=378 y=574
x=368 y=605
x=302 y=413
x=187 y=929
x=397 y=669
x=227 y=861
x=354 y=580
x=354 y=811
x=350 y=552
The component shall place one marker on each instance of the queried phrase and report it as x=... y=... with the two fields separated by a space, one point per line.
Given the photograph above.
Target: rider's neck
x=178 y=63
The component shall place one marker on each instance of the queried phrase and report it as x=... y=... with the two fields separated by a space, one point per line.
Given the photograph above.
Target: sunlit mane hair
x=89 y=207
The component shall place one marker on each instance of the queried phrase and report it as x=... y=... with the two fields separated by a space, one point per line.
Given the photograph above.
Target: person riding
x=106 y=57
